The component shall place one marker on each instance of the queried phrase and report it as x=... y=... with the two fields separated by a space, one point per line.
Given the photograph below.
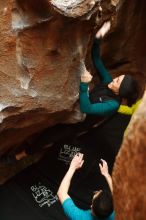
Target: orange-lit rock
x=125 y=46
x=43 y=45
x=129 y=174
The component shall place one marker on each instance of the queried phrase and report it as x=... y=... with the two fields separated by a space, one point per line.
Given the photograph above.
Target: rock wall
x=125 y=46
x=43 y=46
x=129 y=174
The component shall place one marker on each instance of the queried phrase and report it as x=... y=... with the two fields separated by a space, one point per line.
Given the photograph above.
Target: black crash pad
x=31 y=194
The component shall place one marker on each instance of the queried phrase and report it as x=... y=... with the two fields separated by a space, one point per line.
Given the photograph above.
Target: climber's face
x=116 y=83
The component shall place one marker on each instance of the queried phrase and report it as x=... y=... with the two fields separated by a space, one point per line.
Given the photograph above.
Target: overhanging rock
x=43 y=48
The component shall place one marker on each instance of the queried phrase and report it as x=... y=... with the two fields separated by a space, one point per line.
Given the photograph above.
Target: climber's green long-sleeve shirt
x=104 y=108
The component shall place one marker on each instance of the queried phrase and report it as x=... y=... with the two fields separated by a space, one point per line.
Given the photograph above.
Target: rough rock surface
x=125 y=46
x=43 y=45
x=129 y=174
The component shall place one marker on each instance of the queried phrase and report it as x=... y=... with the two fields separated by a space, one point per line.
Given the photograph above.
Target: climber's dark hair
x=102 y=205
x=130 y=88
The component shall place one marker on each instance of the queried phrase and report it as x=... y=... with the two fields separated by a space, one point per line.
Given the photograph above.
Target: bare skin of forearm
x=65 y=184
x=110 y=182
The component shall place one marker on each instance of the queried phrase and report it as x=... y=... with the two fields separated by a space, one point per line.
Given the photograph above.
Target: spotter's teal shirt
x=75 y=213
